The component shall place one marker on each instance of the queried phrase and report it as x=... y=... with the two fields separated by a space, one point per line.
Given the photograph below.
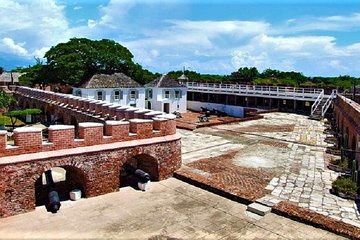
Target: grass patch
x=345 y=185
x=4 y=120
x=343 y=163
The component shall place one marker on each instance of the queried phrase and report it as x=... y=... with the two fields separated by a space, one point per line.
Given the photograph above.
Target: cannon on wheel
x=143 y=177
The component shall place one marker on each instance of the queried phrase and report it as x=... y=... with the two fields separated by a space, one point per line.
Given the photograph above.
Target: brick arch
x=143 y=161
x=75 y=178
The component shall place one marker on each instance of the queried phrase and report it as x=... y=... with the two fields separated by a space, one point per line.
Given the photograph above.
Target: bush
x=341 y=162
x=345 y=185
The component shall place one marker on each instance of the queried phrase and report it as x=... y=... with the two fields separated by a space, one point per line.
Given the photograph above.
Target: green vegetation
x=345 y=185
x=5 y=120
x=341 y=162
x=80 y=58
x=15 y=114
x=6 y=100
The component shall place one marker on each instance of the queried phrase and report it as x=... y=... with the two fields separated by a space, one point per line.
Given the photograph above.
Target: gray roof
x=116 y=80
x=164 y=82
x=6 y=76
x=183 y=77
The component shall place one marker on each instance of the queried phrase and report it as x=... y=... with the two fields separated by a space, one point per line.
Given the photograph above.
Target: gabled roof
x=6 y=76
x=116 y=80
x=164 y=82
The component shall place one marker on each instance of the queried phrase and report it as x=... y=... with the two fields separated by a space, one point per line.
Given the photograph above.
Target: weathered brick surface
x=347 y=114
x=100 y=167
x=316 y=219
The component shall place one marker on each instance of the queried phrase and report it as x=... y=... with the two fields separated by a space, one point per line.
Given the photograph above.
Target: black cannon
x=54 y=200
x=177 y=114
x=142 y=176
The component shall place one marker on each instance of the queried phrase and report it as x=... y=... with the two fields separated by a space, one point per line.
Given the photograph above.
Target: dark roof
x=164 y=82
x=6 y=76
x=116 y=80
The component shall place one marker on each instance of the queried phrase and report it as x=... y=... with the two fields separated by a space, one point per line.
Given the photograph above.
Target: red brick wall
x=100 y=168
x=348 y=119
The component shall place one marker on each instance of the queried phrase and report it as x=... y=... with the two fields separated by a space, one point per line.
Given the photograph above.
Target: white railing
x=317 y=102
x=261 y=91
x=328 y=102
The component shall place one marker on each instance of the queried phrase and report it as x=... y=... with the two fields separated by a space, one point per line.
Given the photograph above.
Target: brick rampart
x=347 y=114
x=97 y=168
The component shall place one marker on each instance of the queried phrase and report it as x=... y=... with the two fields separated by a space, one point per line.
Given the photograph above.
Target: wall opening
x=143 y=162
x=66 y=179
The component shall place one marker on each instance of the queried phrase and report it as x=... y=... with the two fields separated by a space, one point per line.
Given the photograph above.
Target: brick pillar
x=91 y=132
x=28 y=138
x=152 y=114
x=141 y=113
x=129 y=113
x=119 y=130
x=120 y=112
x=62 y=136
x=142 y=127
x=3 y=140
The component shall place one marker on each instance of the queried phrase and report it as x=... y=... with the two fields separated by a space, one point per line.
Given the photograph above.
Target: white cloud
x=77 y=8
x=91 y=23
x=17 y=49
x=37 y=24
x=329 y=23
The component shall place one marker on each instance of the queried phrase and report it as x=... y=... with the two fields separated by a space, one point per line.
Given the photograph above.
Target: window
x=166 y=93
x=148 y=94
x=100 y=95
x=78 y=93
x=177 y=94
x=117 y=95
x=133 y=94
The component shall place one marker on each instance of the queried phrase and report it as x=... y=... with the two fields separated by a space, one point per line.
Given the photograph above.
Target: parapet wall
x=89 y=107
x=30 y=139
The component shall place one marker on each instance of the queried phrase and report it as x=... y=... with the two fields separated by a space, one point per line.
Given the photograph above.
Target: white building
x=162 y=94
x=166 y=95
x=116 y=88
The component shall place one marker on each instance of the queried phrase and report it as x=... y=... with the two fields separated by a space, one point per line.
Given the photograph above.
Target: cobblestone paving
x=301 y=174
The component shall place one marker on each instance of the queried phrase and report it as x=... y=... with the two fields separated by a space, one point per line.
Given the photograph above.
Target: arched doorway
x=66 y=178
x=143 y=162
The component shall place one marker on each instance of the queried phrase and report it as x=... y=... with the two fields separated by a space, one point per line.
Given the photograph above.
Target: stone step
x=258 y=209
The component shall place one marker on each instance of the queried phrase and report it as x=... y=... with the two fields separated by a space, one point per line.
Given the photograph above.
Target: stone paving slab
x=298 y=162
x=171 y=209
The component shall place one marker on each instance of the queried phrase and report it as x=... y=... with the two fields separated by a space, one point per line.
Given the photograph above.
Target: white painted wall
x=231 y=110
x=157 y=101
x=108 y=93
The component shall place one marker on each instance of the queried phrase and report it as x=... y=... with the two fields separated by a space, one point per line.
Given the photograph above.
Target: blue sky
x=318 y=38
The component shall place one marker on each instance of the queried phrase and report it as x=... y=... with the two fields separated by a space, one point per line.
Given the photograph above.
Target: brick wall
x=347 y=114
x=98 y=166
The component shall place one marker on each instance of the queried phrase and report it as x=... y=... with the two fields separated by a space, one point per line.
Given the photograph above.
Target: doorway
x=167 y=107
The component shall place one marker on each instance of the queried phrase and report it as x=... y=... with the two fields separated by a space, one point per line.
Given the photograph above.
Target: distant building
x=9 y=78
x=166 y=95
x=162 y=94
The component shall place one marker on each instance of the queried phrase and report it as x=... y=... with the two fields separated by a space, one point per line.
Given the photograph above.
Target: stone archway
x=144 y=162
x=66 y=178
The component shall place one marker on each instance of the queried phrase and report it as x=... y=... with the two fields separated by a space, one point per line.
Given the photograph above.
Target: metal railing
x=317 y=102
x=326 y=106
x=261 y=91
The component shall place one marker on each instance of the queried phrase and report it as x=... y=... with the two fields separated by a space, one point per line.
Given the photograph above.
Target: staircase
x=321 y=105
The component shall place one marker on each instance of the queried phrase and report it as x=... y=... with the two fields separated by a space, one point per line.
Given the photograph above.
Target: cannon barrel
x=143 y=177
x=54 y=200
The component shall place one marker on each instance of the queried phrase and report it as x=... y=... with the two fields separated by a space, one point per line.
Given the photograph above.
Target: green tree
x=244 y=74
x=15 y=114
x=1 y=70
x=6 y=100
x=80 y=58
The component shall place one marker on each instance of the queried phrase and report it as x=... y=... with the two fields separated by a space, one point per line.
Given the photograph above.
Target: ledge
x=86 y=150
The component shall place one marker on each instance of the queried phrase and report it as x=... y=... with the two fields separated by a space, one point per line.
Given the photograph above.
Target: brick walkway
x=289 y=146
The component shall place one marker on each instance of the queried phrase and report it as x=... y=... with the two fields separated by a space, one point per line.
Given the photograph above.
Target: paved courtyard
x=171 y=209
x=290 y=146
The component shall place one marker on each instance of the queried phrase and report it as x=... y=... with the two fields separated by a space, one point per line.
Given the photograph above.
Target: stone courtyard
x=289 y=147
